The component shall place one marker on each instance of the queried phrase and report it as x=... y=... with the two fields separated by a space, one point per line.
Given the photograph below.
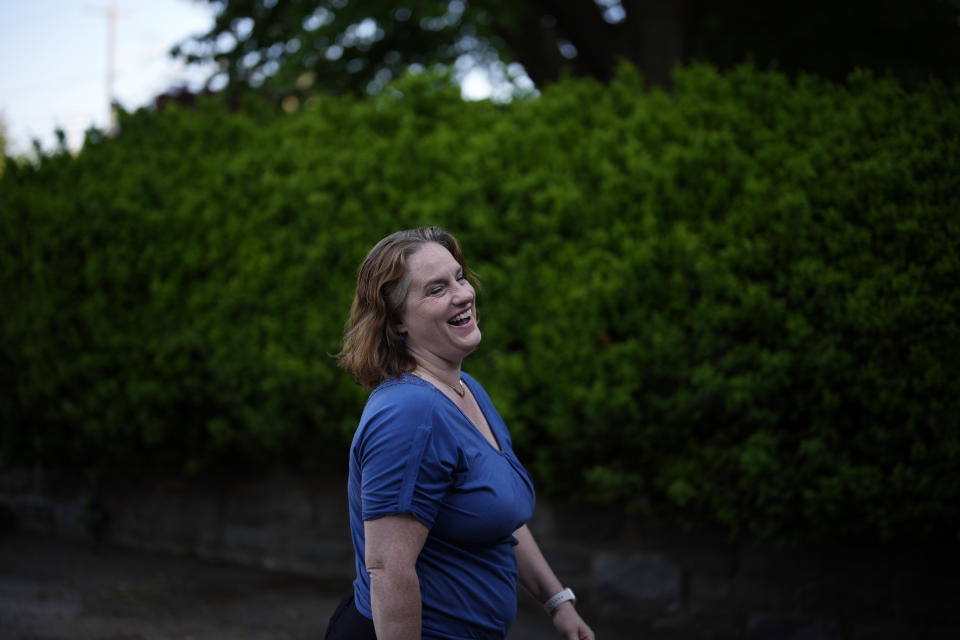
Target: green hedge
x=734 y=305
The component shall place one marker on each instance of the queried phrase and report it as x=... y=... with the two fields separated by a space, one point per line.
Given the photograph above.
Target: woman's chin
x=471 y=340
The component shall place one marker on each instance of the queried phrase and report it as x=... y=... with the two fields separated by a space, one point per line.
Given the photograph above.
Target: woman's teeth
x=462 y=318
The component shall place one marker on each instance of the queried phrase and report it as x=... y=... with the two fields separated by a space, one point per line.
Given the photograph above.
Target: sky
x=53 y=62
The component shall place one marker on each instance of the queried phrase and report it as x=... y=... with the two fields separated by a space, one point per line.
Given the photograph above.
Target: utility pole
x=112 y=14
x=111 y=62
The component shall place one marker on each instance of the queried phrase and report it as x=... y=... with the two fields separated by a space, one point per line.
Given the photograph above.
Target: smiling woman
x=437 y=321
x=374 y=345
x=438 y=499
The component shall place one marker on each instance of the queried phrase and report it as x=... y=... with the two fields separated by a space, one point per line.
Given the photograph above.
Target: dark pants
x=347 y=623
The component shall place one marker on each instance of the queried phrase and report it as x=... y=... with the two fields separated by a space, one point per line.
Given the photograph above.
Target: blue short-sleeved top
x=415 y=452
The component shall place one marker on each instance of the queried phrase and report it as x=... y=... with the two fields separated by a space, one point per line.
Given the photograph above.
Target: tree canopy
x=290 y=47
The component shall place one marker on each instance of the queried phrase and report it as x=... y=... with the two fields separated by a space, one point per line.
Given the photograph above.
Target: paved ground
x=53 y=589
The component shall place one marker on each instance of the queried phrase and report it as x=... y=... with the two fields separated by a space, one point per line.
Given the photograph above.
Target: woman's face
x=440 y=316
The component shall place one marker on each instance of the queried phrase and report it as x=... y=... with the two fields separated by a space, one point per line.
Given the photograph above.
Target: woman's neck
x=446 y=375
x=446 y=371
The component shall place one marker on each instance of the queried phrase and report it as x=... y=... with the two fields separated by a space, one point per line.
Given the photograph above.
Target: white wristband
x=551 y=605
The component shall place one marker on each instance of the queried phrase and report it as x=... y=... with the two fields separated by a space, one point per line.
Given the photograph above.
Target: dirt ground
x=54 y=589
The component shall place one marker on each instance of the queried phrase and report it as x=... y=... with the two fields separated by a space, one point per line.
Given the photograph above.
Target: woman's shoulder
x=405 y=398
x=404 y=385
x=399 y=411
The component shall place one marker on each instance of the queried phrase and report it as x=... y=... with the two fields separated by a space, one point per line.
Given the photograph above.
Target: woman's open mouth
x=461 y=318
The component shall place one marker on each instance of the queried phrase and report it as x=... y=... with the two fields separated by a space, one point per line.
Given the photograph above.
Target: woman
x=438 y=500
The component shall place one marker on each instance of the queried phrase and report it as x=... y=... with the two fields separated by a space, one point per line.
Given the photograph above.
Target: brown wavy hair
x=372 y=350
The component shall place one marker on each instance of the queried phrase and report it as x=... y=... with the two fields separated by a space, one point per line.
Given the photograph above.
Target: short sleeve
x=405 y=464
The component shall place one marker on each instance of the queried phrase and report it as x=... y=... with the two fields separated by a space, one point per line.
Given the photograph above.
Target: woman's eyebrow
x=435 y=280
x=441 y=279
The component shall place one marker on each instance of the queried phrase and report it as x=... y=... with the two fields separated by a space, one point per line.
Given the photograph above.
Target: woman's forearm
x=538 y=579
x=536 y=576
x=395 y=601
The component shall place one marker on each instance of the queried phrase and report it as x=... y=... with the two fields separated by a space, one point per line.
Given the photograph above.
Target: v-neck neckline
x=498 y=448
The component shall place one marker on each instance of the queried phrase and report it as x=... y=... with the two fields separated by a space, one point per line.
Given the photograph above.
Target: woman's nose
x=463 y=293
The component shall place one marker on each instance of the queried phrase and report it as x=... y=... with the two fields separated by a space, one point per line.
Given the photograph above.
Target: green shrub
x=735 y=304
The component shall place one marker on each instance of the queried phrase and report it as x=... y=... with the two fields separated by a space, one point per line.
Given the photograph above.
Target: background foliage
x=732 y=305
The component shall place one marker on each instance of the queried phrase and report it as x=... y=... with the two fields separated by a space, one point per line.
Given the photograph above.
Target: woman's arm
x=390 y=551
x=538 y=579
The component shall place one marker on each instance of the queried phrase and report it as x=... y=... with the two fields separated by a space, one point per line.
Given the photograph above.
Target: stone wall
x=658 y=583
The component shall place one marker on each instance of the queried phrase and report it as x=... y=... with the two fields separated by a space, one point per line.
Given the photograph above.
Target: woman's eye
x=436 y=291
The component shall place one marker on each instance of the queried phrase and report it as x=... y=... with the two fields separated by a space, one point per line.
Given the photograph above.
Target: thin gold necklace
x=460 y=392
